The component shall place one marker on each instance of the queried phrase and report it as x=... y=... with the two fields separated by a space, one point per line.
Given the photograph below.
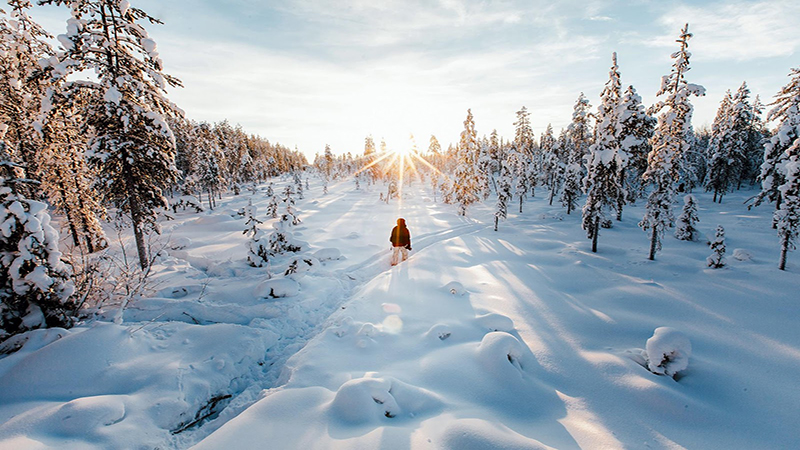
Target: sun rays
x=400 y=166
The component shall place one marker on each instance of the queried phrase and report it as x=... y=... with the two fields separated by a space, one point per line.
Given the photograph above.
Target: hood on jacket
x=401 y=223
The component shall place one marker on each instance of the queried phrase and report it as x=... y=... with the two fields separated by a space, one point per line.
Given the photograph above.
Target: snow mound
x=439 y=332
x=179 y=291
x=74 y=418
x=328 y=254
x=277 y=288
x=376 y=400
x=501 y=354
x=495 y=322
x=741 y=254
x=180 y=243
x=668 y=351
x=353 y=235
x=455 y=288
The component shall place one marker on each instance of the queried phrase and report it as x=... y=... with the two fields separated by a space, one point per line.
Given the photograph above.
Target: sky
x=306 y=73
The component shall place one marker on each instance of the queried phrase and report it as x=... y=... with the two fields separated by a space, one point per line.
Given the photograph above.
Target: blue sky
x=314 y=72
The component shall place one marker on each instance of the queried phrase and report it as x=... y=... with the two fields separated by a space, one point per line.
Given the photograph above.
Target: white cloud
x=738 y=30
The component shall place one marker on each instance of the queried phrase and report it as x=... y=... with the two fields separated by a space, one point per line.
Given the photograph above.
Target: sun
x=403 y=151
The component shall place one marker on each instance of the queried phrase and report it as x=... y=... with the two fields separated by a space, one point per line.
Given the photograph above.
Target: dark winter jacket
x=400 y=236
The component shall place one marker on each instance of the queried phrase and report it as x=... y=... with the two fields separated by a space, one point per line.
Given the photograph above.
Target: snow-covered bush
x=187 y=201
x=668 y=351
x=741 y=254
x=35 y=287
x=717 y=259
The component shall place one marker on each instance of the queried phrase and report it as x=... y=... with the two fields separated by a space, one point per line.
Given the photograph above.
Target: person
x=401 y=242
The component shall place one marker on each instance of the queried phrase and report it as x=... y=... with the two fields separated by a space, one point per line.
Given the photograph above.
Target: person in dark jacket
x=401 y=242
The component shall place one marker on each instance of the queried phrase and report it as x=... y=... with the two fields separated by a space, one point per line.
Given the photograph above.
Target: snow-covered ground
x=515 y=339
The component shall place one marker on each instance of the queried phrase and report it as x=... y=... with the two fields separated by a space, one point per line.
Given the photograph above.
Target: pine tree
x=636 y=129
x=466 y=187
x=23 y=43
x=35 y=285
x=133 y=149
x=720 y=175
x=717 y=258
x=503 y=194
x=779 y=172
x=520 y=165
x=257 y=248
x=686 y=230
x=523 y=137
x=66 y=177
x=605 y=161
x=669 y=143
x=272 y=207
x=787 y=217
x=576 y=148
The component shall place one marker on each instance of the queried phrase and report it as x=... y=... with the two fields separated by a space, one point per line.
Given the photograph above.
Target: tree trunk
x=552 y=193
x=595 y=233
x=76 y=241
x=496 y=219
x=653 y=241
x=784 y=250
x=520 y=204
x=136 y=221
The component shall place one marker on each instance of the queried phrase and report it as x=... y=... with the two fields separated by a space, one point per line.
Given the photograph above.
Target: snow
x=668 y=351
x=516 y=339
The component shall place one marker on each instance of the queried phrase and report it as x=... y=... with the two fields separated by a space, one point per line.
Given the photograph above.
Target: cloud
x=737 y=31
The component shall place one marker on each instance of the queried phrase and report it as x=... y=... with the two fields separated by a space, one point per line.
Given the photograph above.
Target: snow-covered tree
x=133 y=148
x=721 y=169
x=257 y=246
x=670 y=141
x=636 y=129
x=787 y=217
x=519 y=163
x=523 y=133
x=686 y=230
x=35 y=285
x=23 y=84
x=575 y=149
x=717 y=258
x=503 y=194
x=605 y=161
x=780 y=172
x=466 y=184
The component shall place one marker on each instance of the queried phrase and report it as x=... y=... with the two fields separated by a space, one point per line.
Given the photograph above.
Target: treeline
x=622 y=152
x=86 y=147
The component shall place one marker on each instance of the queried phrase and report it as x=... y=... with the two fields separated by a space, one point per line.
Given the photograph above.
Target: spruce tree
x=23 y=84
x=604 y=161
x=717 y=258
x=257 y=247
x=720 y=174
x=133 y=148
x=572 y=155
x=636 y=129
x=503 y=194
x=686 y=230
x=466 y=187
x=776 y=168
x=669 y=143
x=35 y=285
